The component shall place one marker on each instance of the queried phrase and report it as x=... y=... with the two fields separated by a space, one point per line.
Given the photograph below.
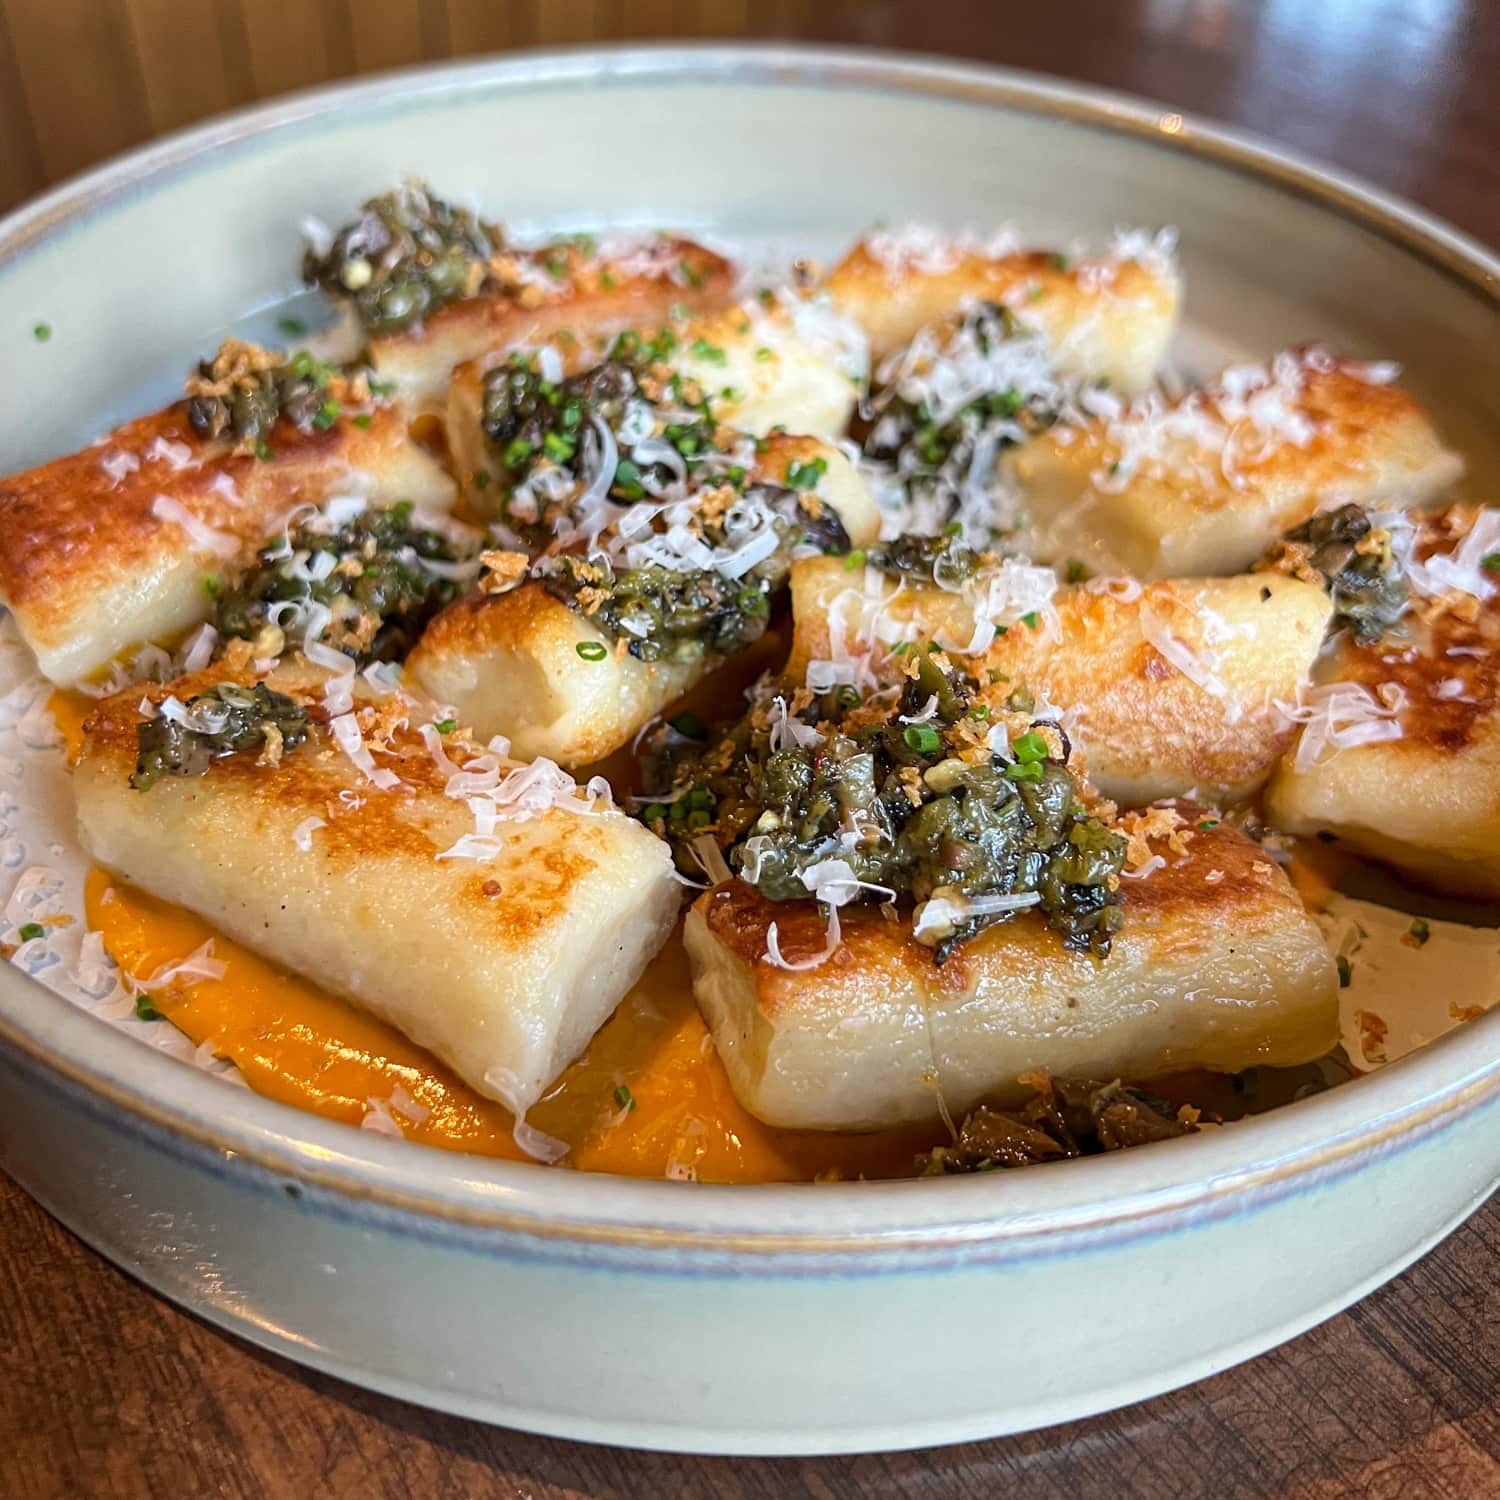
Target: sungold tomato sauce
x=649 y=1098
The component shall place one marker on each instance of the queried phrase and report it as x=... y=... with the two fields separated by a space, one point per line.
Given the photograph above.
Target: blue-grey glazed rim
x=791 y=1228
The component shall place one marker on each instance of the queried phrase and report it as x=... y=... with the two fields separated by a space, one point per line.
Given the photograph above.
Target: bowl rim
x=1289 y=1150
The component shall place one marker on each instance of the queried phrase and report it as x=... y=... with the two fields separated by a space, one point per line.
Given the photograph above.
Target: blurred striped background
x=83 y=79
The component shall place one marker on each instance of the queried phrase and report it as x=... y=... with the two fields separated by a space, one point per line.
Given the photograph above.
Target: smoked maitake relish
x=407 y=254
x=244 y=390
x=367 y=587
x=920 y=802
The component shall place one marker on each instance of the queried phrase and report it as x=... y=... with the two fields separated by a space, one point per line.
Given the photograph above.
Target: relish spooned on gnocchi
x=648 y=717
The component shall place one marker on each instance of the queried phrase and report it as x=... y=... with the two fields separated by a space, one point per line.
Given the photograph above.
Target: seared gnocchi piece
x=1203 y=484
x=119 y=544
x=568 y=293
x=795 y=365
x=537 y=664
x=1106 y=318
x=1398 y=755
x=1216 y=966
x=792 y=368
x=1168 y=687
x=493 y=912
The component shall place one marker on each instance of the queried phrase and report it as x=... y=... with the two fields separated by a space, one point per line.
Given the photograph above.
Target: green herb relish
x=934 y=460
x=532 y=424
x=1351 y=558
x=932 y=816
x=669 y=614
x=380 y=595
x=231 y=720
x=1067 y=1117
x=406 y=254
x=243 y=391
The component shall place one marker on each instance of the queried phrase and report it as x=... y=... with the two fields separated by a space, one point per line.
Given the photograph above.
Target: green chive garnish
x=1346 y=971
x=624 y=1099
x=1024 y=771
x=1419 y=931
x=446 y=726
x=592 y=650
x=293 y=327
x=922 y=738
x=32 y=930
x=145 y=1009
x=42 y=332
x=1029 y=747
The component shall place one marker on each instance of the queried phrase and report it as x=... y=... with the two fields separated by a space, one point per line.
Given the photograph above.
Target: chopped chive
x=1346 y=971
x=624 y=1099
x=1075 y=572
x=557 y=266
x=1059 y=262
x=607 y=280
x=1029 y=747
x=328 y=414
x=32 y=930
x=900 y=648
x=954 y=528
x=702 y=349
x=558 y=448
x=517 y=451
x=805 y=476
x=762 y=354
x=292 y=327
x=690 y=274
x=1419 y=931
x=1209 y=823
x=263 y=450
x=301 y=364
x=980 y=711
x=854 y=559
x=42 y=332
x=213 y=585
x=1029 y=618
x=145 y=1009
x=922 y=738
x=446 y=726
x=363 y=419
x=592 y=650
x=752 y=602
x=654 y=811
x=1492 y=563
x=1029 y=770
x=382 y=387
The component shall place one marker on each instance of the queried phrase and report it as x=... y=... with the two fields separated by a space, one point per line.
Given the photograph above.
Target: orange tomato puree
x=649 y=1098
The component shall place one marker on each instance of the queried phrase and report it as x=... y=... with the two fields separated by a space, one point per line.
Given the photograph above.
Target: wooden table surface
x=107 y=1391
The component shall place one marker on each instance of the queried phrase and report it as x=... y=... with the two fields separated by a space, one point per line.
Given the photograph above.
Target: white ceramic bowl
x=778 y=1319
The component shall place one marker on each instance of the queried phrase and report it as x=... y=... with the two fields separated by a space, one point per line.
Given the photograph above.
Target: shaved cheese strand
x=200 y=533
x=773 y=954
x=1336 y=716
x=303 y=832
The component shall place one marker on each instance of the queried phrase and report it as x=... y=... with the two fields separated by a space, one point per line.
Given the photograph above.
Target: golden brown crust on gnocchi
x=1217 y=966
x=92 y=560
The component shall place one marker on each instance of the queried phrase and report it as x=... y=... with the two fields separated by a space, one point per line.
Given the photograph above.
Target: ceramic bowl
x=659 y=1314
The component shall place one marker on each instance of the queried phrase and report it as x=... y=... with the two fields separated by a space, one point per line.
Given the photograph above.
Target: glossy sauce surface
x=649 y=1098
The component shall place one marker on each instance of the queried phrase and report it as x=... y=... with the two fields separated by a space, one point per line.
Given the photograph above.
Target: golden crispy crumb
x=501 y=571
x=1372 y=1034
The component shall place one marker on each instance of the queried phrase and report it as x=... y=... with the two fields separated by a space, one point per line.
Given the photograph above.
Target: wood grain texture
x=106 y=1391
